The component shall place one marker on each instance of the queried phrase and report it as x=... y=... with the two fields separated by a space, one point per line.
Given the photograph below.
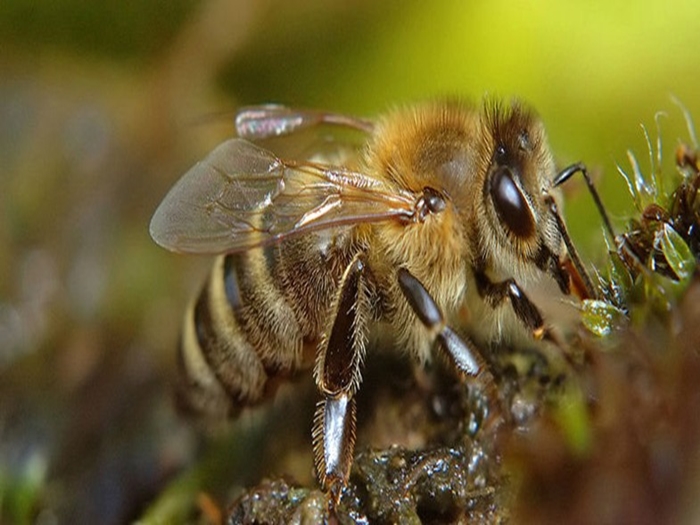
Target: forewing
x=242 y=196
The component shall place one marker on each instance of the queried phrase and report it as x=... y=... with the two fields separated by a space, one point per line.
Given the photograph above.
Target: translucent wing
x=273 y=120
x=242 y=196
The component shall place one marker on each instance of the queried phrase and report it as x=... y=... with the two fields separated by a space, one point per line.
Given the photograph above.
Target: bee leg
x=525 y=310
x=338 y=376
x=424 y=306
x=579 y=167
x=458 y=350
x=571 y=248
x=561 y=178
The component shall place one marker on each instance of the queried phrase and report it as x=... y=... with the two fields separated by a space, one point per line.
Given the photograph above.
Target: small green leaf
x=677 y=253
x=601 y=318
x=620 y=277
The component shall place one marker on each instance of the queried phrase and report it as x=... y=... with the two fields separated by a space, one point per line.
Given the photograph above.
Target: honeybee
x=447 y=205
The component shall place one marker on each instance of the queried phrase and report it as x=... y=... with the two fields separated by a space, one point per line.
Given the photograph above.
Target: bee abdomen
x=240 y=333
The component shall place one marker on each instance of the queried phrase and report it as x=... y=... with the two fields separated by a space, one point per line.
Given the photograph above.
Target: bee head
x=519 y=175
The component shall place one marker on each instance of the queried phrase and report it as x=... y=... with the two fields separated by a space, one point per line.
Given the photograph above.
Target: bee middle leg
x=338 y=376
x=427 y=310
x=459 y=350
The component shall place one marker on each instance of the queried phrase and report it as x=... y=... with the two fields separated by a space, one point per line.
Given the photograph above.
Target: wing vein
x=242 y=196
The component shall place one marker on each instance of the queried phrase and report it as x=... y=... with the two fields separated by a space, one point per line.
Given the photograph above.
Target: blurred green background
x=103 y=106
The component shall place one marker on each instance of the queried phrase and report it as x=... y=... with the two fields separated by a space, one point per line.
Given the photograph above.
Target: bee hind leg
x=338 y=376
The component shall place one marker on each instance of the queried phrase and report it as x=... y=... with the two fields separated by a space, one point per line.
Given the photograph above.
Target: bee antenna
x=579 y=167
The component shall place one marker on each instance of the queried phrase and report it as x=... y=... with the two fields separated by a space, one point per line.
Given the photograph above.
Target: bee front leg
x=525 y=310
x=427 y=310
x=338 y=376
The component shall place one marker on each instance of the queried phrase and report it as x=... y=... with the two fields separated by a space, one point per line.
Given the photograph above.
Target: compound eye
x=510 y=203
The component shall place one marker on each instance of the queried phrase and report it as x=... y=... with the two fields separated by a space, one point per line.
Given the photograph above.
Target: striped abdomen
x=257 y=319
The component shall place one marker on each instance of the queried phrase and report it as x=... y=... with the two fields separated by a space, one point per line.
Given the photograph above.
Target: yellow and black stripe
x=258 y=318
